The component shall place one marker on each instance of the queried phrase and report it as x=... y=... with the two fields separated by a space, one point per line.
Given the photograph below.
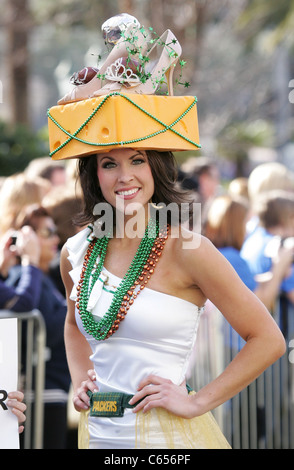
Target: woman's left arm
x=214 y=275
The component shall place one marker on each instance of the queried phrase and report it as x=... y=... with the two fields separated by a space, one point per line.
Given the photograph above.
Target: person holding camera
x=22 y=247
x=274 y=233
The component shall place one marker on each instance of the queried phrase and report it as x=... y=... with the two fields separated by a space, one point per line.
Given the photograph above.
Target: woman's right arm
x=78 y=350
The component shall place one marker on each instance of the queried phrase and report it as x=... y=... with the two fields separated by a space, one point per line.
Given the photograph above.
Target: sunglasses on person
x=47 y=232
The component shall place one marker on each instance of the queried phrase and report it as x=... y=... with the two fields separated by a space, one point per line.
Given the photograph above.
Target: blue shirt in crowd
x=25 y=296
x=259 y=261
x=240 y=266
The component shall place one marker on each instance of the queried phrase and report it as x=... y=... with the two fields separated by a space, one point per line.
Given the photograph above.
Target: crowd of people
x=250 y=221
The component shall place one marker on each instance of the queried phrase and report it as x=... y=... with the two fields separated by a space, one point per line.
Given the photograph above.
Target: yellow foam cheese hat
x=119 y=120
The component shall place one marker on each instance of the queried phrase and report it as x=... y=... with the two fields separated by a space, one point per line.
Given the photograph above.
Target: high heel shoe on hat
x=133 y=42
x=160 y=62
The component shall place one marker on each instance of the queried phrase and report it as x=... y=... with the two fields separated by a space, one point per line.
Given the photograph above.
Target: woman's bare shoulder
x=194 y=246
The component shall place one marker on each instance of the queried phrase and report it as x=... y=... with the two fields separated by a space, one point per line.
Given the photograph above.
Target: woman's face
x=49 y=240
x=125 y=177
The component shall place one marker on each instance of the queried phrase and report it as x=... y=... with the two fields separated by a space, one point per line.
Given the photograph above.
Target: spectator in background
x=25 y=296
x=187 y=182
x=190 y=184
x=22 y=247
x=205 y=172
x=63 y=207
x=16 y=193
x=275 y=212
x=48 y=169
x=53 y=308
x=239 y=187
x=225 y=226
x=267 y=177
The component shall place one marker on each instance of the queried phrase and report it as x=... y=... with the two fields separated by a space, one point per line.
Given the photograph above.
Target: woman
x=25 y=295
x=52 y=306
x=144 y=350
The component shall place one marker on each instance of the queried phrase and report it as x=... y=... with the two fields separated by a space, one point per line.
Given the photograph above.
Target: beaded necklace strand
x=134 y=281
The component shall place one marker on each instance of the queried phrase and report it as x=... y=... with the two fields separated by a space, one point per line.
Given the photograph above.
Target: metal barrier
x=31 y=359
x=262 y=415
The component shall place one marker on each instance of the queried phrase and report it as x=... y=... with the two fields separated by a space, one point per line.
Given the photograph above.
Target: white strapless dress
x=157 y=337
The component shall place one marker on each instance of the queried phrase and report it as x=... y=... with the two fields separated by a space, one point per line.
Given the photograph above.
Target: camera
x=273 y=246
x=288 y=242
x=13 y=239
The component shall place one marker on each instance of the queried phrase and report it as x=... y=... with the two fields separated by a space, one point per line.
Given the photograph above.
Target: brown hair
x=275 y=208
x=31 y=216
x=62 y=206
x=164 y=171
x=269 y=176
x=225 y=223
x=18 y=192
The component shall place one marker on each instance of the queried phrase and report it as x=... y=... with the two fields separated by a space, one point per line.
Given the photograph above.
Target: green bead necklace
x=134 y=281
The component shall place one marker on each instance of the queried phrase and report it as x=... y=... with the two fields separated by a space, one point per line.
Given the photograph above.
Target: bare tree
x=126 y=6
x=18 y=24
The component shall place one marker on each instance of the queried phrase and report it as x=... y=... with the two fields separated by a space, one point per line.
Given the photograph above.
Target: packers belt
x=109 y=404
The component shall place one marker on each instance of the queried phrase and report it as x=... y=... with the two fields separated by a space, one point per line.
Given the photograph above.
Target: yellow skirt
x=159 y=429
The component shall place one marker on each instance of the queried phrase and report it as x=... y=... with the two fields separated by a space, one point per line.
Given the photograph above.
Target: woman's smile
x=129 y=193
